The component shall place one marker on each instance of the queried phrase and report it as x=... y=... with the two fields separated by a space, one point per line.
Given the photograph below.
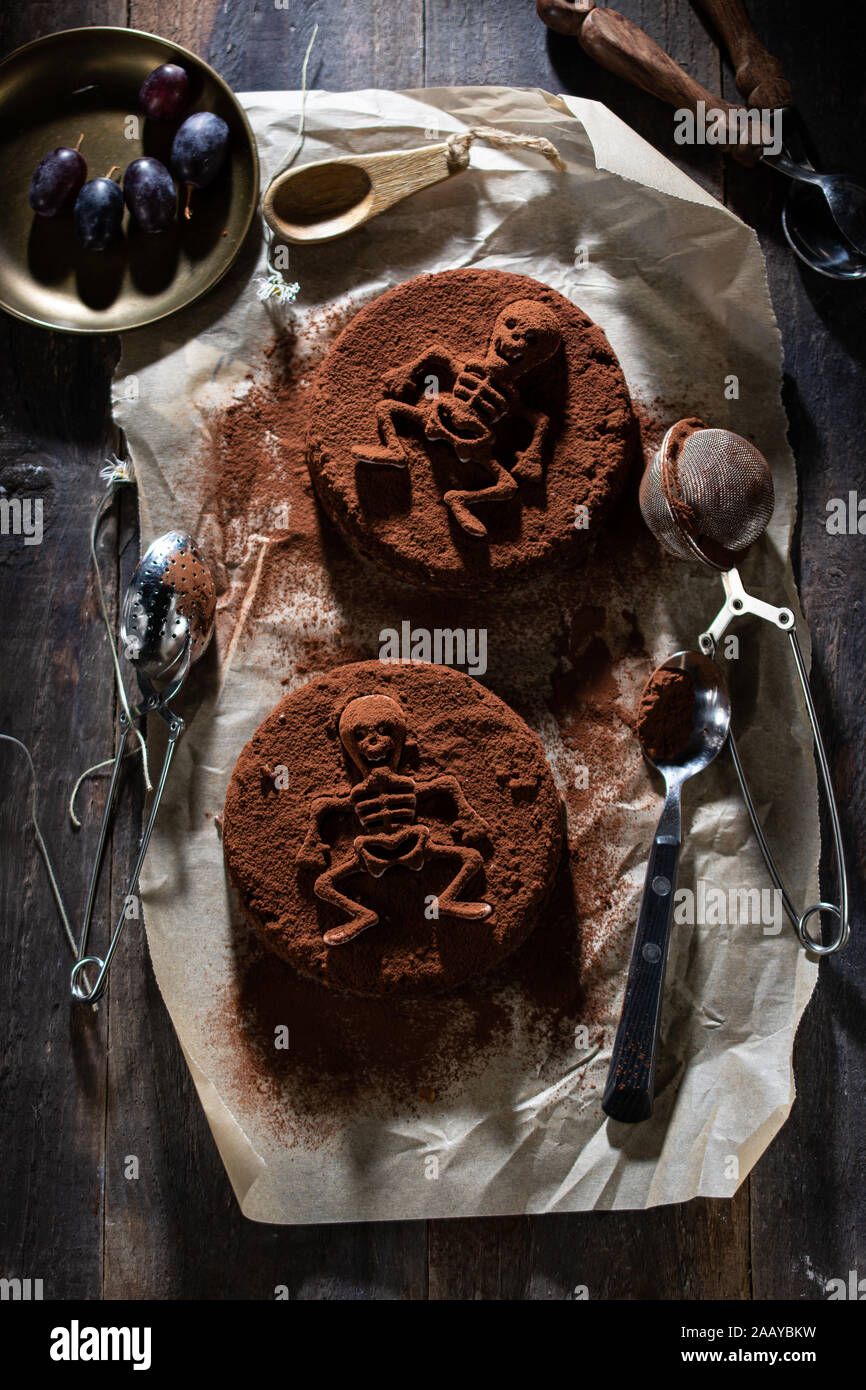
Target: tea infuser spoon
x=707 y=494
x=813 y=236
x=166 y=623
x=628 y=1095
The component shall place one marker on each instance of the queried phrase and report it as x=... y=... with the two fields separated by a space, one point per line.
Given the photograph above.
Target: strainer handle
x=154 y=702
x=82 y=989
x=740 y=604
x=799 y=920
x=81 y=953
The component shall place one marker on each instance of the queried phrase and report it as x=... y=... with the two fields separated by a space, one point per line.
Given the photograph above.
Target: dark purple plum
x=150 y=194
x=198 y=151
x=57 y=180
x=98 y=213
x=164 y=95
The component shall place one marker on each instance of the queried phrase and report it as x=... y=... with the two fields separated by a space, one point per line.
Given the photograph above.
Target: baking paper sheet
x=677 y=283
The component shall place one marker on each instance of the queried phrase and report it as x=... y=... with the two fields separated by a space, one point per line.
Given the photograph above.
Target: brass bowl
x=86 y=82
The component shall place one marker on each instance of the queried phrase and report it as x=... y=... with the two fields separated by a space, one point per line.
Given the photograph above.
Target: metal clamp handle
x=737 y=604
x=153 y=703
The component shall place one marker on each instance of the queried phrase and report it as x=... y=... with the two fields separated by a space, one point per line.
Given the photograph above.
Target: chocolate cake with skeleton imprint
x=392 y=829
x=469 y=428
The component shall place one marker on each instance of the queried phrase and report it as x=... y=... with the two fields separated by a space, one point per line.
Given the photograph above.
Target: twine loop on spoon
x=460 y=142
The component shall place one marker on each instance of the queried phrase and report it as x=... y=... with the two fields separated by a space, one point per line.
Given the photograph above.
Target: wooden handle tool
x=621 y=46
x=760 y=78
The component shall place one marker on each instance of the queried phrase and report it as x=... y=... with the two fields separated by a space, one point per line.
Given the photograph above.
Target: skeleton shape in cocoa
x=385 y=803
x=486 y=390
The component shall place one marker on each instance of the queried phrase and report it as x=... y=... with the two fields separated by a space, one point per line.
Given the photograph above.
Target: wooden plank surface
x=808 y=1221
x=55 y=695
x=73 y=1113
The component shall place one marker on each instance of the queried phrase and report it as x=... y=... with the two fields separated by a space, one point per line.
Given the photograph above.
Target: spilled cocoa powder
x=666 y=716
x=682 y=509
x=348 y=1056
x=566 y=653
x=692 y=519
x=193 y=583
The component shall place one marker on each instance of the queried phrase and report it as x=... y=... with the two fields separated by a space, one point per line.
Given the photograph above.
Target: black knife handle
x=628 y=1095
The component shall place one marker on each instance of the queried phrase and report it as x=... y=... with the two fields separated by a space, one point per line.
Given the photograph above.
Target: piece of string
x=299 y=136
x=90 y=772
x=459 y=144
x=46 y=857
x=43 y=848
x=116 y=473
x=274 y=285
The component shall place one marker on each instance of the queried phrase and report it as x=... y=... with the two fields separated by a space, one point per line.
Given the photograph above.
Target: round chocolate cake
x=470 y=427
x=392 y=829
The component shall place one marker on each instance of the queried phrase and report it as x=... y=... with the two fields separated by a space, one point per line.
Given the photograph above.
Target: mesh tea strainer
x=707 y=495
x=166 y=623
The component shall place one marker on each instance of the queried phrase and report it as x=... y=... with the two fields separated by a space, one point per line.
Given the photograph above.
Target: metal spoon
x=824 y=224
x=628 y=1095
x=813 y=234
x=166 y=623
x=845 y=198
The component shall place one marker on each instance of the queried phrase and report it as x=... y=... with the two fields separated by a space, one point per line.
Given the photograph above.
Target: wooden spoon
x=321 y=201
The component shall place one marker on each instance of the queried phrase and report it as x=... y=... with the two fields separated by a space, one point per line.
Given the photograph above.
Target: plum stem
x=78 y=144
x=115 y=169
x=187 y=211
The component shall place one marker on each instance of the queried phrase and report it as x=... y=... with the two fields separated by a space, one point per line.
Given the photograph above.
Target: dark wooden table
x=78 y=1098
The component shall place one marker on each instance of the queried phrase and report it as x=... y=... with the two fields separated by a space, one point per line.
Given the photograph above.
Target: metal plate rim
x=96 y=330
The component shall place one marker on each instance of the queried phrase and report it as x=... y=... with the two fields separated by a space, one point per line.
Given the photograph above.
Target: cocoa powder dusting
x=194 y=586
x=566 y=653
x=666 y=715
x=461 y=786
x=395 y=436
x=682 y=509
x=348 y=1055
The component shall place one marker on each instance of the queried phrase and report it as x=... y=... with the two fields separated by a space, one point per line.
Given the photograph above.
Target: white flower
x=275 y=286
x=117 y=471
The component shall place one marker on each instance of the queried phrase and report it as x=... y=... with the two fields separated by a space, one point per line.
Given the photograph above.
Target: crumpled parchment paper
x=677 y=283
